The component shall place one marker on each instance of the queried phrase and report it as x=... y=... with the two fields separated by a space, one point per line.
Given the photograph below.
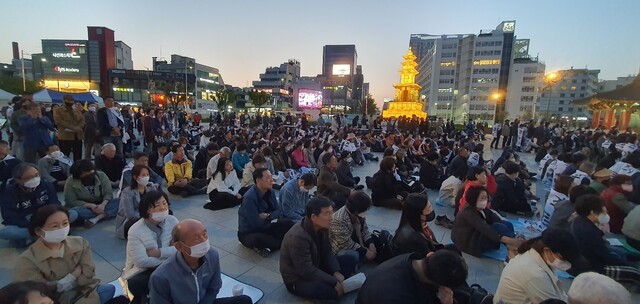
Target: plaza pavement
x=245 y=265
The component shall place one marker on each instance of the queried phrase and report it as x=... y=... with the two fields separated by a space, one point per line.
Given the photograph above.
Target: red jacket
x=299 y=158
x=617 y=216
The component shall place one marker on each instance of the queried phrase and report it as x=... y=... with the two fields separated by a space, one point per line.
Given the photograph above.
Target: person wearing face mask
x=128 y=212
x=431 y=175
x=148 y=243
x=413 y=233
x=294 y=196
x=70 y=125
x=224 y=187
x=529 y=277
x=89 y=193
x=603 y=259
x=92 y=139
x=54 y=167
x=192 y=274
x=111 y=164
x=21 y=199
x=326 y=149
x=616 y=200
x=477 y=229
x=344 y=174
x=64 y=262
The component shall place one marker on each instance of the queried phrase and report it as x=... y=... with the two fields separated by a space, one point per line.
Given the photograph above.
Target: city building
x=526 y=82
x=145 y=88
x=339 y=64
x=207 y=79
x=17 y=61
x=77 y=65
x=610 y=85
x=466 y=76
x=279 y=82
x=407 y=101
x=556 y=99
x=123 y=56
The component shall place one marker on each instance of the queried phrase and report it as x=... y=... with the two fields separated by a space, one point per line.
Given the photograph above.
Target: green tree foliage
x=259 y=98
x=13 y=85
x=224 y=98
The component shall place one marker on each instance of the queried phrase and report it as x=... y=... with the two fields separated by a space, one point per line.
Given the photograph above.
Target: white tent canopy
x=4 y=95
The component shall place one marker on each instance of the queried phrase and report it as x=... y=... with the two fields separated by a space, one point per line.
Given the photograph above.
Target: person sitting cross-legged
x=223 y=187
x=294 y=196
x=258 y=209
x=350 y=235
x=192 y=274
x=54 y=167
x=130 y=199
x=111 y=164
x=148 y=243
x=179 y=175
x=308 y=266
x=510 y=194
x=21 y=199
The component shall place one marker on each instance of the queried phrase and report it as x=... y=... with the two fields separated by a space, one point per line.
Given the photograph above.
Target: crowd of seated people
x=322 y=235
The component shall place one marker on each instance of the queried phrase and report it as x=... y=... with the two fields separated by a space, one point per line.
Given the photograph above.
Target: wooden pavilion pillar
x=608 y=118
x=625 y=117
x=595 y=119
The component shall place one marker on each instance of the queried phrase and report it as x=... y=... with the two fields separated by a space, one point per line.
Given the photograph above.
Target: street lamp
x=550 y=79
x=496 y=97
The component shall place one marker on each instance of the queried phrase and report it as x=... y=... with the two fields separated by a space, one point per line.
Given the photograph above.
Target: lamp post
x=496 y=97
x=550 y=79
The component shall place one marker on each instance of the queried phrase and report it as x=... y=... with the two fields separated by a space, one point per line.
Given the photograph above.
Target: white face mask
x=32 y=183
x=92 y=109
x=482 y=204
x=559 y=264
x=143 y=180
x=303 y=189
x=56 y=236
x=199 y=250
x=627 y=187
x=330 y=150
x=603 y=218
x=57 y=154
x=160 y=216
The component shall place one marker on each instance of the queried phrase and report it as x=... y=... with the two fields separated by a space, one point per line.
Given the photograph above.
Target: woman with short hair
x=384 y=190
x=61 y=260
x=128 y=212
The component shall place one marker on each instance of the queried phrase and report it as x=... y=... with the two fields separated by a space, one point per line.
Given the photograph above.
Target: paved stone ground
x=246 y=266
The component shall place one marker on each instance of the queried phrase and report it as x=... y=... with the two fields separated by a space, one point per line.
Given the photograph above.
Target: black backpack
x=383 y=242
x=473 y=294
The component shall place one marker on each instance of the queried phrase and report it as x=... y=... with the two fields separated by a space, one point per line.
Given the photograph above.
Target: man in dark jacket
x=345 y=177
x=510 y=194
x=111 y=124
x=7 y=163
x=21 y=199
x=308 y=266
x=92 y=140
x=328 y=182
x=202 y=159
x=414 y=278
x=37 y=132
x=259 y=207
x=430 y=174
x=459 y=166
x=111 y=164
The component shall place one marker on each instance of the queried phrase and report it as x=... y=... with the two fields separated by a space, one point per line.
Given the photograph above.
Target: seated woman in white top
x=149 y=243
x=130 y=199
x=224 y=187
x=529 y=277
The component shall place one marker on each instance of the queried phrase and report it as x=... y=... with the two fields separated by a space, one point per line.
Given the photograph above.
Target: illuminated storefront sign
x=486 y=62
x=60 y=69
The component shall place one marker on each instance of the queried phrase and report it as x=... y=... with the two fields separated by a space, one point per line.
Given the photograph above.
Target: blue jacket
x=254 y=203
x=17 y=205
x=293 y=202
x=239 y=160
x=173 y=282
x=36 y=131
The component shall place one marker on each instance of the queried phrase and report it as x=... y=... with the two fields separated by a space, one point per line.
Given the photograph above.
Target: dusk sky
x=242 y=38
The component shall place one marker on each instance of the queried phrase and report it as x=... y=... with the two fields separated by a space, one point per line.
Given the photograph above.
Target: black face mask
x=68 y=104
x=431 y=217
x=88 y=180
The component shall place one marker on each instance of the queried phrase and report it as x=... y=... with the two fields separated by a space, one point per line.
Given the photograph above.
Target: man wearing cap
x=70 y=125
x=601 y=179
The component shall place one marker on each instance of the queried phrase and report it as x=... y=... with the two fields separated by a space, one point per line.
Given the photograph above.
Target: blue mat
x=563 y=275
x=499 y=254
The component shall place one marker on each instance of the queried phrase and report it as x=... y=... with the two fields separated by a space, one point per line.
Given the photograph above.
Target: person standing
x=92 y=140
x=70 y=125
x=495 y=132
x=111 y=124
x=506 y=134
x=37 y=136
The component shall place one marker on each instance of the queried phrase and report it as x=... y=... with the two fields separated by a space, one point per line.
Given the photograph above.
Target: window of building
x=580 y=109
x=581 y=95
x=560 y=109
x=584 y=81
x=583 y=88
x=561 y=102
x=486 y=62
x=574 y=81
x=573 y=88
x=528 y=79
x=528 y=89
x=570 y=109
x=563 y=88
x=562 y=94
x=572 y=95
x=447 y=63
x=529 y=70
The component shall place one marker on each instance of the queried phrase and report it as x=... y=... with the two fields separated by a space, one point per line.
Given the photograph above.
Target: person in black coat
x=384 y=191
x=345 y=177
x=111 y=124
x=601 y=258
x=111 y=164
x=202 y=159
x=510 y=194
x=430 y=173
x=459 y=165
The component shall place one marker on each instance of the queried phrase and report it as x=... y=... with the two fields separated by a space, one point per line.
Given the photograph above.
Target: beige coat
x=36 y=265
x=66 y=120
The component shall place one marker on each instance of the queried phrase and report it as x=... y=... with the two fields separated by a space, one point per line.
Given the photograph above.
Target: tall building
x=207 y=79
x=339 y=64
x=467 y=75
x=279 y=81
x=526 y=82
x=123 y=56
x=555 y=102
x=610 y=85
x=17 y=62
x=104 y=39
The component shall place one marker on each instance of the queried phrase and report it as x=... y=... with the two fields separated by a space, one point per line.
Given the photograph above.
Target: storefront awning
x=53 y=96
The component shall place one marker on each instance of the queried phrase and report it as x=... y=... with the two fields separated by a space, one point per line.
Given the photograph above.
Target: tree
x=170 y=89
x=259 y=98
x=13 y=85
x=223 y=99
x=501 y=115
x=371 y=107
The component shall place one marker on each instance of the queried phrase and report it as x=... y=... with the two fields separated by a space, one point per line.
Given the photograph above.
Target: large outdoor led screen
x=309 y=99
x=65 y=59
x=341 y=69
